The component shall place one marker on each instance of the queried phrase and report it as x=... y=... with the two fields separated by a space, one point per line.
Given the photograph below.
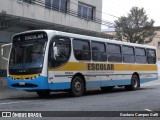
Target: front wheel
x=77 y=86
x=43 y=93
x=135 y=83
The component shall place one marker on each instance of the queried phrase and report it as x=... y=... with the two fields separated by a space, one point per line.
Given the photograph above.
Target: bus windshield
x=27 y=56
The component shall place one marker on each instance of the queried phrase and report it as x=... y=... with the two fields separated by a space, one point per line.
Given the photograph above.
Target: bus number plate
x=21 y=83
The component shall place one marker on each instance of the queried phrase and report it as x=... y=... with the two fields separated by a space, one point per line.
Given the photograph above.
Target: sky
x=120 y=8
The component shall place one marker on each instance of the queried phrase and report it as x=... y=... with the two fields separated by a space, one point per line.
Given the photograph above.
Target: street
x=147 y=98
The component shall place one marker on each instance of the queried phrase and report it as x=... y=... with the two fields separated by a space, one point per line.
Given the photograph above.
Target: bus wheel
x=43 y=93
x=135 y=84
x=110 y=88
x=77 y=86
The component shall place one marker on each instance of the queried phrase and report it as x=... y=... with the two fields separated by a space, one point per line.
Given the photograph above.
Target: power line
x=75 y=13
x=99 y=11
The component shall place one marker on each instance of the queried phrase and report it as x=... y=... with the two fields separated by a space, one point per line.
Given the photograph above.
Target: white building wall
x=19 y=8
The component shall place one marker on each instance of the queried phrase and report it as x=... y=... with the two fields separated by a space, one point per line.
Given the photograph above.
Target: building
x=76 y=16
x=156 y=41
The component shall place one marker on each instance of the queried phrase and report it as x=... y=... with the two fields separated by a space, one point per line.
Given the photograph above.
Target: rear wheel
x=43 y=93
x=135 y=83
x=77 y=86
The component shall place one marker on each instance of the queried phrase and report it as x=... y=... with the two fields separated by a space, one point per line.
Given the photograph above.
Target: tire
x=110 y=88
x=43 y=93
x=77 y=87
x=135 y=83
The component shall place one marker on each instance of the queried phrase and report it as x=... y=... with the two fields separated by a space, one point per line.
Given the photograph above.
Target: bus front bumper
x=39 y=83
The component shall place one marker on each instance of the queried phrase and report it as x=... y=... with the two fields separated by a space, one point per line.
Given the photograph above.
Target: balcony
x=39 y=10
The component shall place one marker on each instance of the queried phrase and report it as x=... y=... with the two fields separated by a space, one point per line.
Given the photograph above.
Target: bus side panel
x=58 y=80
x=108 y=80
x=147 y=77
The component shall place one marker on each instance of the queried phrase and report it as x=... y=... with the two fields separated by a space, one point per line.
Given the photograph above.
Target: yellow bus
x=46 y=60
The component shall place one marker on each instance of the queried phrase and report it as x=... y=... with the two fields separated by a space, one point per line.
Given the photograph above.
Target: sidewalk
x=19 y=94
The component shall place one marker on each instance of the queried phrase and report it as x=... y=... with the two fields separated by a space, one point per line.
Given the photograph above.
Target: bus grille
x=27 y=85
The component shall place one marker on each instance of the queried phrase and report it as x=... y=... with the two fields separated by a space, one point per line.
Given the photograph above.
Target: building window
x=85 y=11
x=58 y=5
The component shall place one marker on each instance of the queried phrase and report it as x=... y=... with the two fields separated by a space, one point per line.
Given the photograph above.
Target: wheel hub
x=77 y=86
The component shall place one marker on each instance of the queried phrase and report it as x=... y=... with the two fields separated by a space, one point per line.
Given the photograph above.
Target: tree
x=135 y=28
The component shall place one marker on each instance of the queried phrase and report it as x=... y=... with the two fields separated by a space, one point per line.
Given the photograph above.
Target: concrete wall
x=19 y=8
x=155 y=43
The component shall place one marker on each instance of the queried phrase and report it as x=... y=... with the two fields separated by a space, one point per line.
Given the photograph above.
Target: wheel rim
x=135 y=82
x=77 y=86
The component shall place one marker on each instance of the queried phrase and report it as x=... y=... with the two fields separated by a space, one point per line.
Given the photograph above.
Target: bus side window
x=63 y=51
x=98 y=51
x=128 y=54
x=140 y=54
x=81 y=49
x=151 y=56
x=114 y=53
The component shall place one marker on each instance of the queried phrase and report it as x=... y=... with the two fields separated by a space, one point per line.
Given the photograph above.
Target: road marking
x=17 y=102
x=149 y=110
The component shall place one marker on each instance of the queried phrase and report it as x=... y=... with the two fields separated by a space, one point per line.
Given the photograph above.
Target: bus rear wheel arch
x=77 y=86
x=135 y=82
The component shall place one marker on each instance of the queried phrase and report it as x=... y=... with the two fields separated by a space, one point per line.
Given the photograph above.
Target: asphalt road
x=147 y=99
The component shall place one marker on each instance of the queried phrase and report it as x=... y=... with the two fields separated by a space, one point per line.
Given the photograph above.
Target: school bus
x=46 y=60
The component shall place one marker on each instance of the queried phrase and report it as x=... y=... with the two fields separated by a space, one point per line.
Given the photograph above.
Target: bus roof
x=72 y=35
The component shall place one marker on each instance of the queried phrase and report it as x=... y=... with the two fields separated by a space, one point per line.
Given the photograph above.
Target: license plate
x=21 y=83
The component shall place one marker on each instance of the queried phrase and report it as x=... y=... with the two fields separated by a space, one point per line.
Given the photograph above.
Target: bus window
x=151 y=56
x=81 y=49
x=98 y=51
x=128 y=54
x=114 y=53
x=63 y=49
x=140 y=55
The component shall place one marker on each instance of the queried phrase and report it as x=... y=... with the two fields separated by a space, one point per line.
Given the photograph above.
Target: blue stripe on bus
x=103 y=83
x=93 y=84
x=60 y=86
